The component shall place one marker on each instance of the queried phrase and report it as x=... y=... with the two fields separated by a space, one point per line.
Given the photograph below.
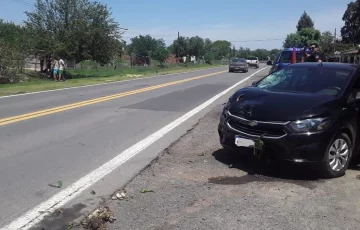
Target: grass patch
x=81 y=77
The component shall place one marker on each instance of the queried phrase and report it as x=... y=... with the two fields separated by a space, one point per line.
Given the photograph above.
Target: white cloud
x=245 y=34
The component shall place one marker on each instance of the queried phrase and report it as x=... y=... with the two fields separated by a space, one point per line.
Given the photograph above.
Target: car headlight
x=310 y=125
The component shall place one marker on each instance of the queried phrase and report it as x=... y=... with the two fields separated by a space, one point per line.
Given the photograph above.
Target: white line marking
x=113 y=82
x=33 y=216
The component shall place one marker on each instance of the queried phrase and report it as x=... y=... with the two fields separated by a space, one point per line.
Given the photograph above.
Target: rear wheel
x=230 y=70
x=337 y=157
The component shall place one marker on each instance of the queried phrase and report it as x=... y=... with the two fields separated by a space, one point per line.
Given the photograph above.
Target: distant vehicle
x=303 y=113
x=253 y=62
x=238 y=64
x=284 y=58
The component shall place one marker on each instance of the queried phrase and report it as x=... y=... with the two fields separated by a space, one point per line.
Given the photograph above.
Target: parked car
x=305 y=112
x=253 y=62
x=238 y=64
x=284 y=58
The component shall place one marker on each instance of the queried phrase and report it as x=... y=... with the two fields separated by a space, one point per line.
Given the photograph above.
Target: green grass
x=81 y=77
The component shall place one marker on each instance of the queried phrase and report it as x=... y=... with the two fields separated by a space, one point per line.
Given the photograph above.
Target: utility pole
x=178 y=47
x=334 y=41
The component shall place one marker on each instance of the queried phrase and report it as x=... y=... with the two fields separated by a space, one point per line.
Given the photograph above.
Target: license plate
x=243 y=142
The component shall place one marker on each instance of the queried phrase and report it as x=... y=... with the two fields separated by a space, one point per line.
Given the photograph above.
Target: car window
x=238 y=60
x=314 y=80
x=286 y=57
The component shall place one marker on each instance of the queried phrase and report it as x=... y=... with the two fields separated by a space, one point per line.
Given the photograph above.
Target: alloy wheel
x=338 y=154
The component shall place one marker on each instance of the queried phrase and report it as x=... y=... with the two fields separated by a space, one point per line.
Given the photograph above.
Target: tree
x=161 y=53
x=327 y=42
x=14 y=48
x=208 y=45
x=221 y=49
x=302 y=38
x=181 y=47
x=350 y=32
x=77 y=29
x=209 y=57
x=305 y=21
x=196 y=46
x=143 y=45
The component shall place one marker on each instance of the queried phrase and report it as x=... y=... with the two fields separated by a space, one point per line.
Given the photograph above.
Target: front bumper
x=280 y=143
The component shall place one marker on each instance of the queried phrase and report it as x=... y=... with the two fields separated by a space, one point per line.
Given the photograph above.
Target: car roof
x=328 y=65
x=291 y=49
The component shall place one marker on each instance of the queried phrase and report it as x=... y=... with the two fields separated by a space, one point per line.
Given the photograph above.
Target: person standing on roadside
x=61 y=70
x=55 y=67
x=315 y=56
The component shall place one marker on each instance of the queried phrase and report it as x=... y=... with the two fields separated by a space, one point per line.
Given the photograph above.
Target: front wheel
x=337 y=157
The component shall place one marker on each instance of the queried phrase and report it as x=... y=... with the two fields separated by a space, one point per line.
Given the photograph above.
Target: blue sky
x=238 y=21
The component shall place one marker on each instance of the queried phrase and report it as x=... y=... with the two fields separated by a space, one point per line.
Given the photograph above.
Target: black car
x=305 y=112
x=238 y=64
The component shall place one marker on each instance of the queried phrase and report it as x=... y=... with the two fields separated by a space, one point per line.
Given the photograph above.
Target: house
x=350 y=56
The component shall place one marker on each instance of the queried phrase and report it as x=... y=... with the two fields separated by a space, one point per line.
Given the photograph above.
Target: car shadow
x=265 y=169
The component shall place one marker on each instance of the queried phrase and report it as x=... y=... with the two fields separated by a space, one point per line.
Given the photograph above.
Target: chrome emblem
x=252 y=123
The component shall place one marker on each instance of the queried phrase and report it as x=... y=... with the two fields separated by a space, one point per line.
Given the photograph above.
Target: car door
x=353 y=112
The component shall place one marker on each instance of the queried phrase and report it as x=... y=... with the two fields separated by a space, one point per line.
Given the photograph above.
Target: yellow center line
x=27 y=116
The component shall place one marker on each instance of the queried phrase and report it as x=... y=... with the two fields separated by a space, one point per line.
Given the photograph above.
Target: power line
x=23 y=2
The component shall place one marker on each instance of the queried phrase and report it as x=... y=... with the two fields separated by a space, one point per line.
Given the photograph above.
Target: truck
x=253 y=62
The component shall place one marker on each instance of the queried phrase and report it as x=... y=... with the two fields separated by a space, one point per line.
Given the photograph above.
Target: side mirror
x=269 y=63
x=254 y=83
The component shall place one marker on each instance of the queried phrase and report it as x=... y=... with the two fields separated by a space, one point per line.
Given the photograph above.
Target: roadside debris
x=98 y=219
x=92 y=192
x=120 y=195
x=58 y=184
x=146 y=190
x=69 y=226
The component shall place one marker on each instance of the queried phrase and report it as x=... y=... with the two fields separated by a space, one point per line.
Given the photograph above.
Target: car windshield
x=238 y=60
x=286 y=57
x=313 y=80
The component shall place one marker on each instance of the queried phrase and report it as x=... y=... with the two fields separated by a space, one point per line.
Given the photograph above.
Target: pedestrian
x=316 y=54
x=61 y=70
x=55 y=67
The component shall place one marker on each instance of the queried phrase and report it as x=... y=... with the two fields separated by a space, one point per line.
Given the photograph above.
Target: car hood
x=254 y=103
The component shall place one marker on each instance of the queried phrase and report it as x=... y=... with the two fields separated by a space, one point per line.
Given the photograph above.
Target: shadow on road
x=263 y=170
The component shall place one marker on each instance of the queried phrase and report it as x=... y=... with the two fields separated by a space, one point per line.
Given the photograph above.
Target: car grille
x=267 y=130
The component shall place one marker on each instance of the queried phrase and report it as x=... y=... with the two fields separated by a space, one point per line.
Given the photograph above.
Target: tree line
x=85 y=30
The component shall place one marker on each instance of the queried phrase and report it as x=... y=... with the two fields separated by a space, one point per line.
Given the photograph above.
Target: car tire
x=230 y=70
x=326 y=170
x=257 y=66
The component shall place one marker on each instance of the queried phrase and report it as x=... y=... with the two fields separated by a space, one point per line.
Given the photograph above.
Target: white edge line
x=113 y=82
x=34 y=216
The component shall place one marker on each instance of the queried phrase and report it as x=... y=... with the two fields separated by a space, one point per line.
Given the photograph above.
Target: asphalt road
x=198 y=185
x=69 y=142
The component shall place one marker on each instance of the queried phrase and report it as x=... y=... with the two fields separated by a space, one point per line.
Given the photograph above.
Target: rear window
x=252 y=58
x=238 y=60
x=286 y=57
